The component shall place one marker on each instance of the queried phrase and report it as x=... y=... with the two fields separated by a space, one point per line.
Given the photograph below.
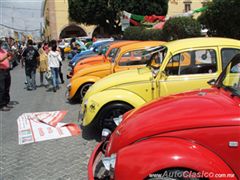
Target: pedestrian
x=5 y=79
x=43 y=64
x=60 y=72
x=30 y=59
x=62 y=47
x=46 y=47
x=54 y=59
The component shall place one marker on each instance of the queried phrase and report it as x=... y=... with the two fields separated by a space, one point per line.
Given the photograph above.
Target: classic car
x=181 y=65
x=92 y=51
x=127 y=57
x=193 y=135
x=111 y=50
x=100 y=50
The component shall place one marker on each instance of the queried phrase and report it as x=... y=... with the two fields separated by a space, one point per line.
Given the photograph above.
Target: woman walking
x=54 y=59
x=43 y=64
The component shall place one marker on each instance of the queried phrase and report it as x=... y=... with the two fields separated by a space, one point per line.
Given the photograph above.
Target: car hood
x=92 y=70
x=115 y=80
x=83 y=57
x=196 y=109
x=91 y=58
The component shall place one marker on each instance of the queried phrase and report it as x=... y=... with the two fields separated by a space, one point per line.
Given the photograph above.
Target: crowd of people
x=46 y=58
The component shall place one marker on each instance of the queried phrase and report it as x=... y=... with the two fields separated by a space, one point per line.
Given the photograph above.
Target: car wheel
x=111 y=111
x=83 y=89
x=174 y=174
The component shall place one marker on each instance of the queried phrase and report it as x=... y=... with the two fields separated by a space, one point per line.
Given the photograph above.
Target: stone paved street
x=59 y=159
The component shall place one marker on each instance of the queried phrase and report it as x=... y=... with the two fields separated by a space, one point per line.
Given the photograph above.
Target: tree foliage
x=106 y=13
x=222 y=18
x=181 y=27
x=141 y=33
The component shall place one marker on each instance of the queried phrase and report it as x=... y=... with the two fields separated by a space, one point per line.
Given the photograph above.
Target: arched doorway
x=72 y=31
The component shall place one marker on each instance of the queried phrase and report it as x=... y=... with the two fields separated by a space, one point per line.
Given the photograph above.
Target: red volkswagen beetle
x=193 y=135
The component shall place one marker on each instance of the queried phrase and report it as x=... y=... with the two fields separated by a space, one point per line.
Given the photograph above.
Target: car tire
x=83 y=89
x=110 y=111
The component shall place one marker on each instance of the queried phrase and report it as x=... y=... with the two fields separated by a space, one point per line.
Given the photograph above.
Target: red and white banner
x=42 y=126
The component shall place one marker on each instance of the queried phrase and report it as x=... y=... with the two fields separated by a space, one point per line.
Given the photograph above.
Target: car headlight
x=109 y=162
x=118 y=120
x=69 y=86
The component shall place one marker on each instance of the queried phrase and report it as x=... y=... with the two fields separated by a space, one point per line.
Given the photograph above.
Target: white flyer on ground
x=42 y=126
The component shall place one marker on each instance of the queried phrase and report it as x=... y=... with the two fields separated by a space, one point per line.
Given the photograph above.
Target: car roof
x=121 y=43
x=201 y=42
x=141 y=44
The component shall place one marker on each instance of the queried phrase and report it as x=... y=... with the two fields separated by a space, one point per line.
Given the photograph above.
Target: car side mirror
x=212 y=82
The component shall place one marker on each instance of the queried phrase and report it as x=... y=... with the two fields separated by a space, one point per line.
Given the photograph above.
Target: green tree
x=141 y=33
x=222 y=18
x=181 y=27
x=106 y=13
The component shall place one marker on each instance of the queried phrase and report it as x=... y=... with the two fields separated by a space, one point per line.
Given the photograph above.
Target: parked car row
x=174 y=67
x=173 y=112
x=122 y=56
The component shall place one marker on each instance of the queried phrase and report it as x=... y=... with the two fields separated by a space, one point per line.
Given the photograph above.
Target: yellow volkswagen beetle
x=175 y=67
x=125 y=57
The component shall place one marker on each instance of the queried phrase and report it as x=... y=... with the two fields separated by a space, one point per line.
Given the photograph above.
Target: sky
x=22 y=14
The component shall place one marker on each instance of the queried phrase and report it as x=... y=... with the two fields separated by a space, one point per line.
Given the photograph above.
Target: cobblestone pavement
x=61 y=159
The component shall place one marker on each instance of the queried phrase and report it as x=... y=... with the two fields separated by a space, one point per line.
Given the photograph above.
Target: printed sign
x=42 y=126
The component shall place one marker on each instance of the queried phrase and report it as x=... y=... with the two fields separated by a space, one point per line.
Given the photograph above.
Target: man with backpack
x=30 y=59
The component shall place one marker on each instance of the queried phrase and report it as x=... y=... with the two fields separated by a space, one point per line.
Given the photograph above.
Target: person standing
x=43 y=64
x=30 y=58
x=54 y=59
x=61 y=47
x=5 y=79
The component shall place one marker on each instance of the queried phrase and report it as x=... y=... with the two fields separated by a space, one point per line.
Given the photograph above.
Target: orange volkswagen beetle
x=111 y=50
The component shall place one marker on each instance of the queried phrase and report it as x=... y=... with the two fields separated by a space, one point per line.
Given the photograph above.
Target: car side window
x=193 y=62
x=227 y=54
x=132 y=58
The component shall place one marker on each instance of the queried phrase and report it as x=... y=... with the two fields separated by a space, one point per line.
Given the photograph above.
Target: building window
x=187 y=7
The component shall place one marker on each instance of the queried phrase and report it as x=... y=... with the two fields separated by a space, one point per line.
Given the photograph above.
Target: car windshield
x=155 y=56
x=115 y=54
x=230 y=78
x=103 y=49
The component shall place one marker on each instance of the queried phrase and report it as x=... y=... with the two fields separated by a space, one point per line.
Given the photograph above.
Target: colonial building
x=176 y=7
x=57 y=24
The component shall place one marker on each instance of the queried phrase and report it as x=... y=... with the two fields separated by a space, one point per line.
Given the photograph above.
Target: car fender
x=149 y=156
x=97 y=101
x=78 y=82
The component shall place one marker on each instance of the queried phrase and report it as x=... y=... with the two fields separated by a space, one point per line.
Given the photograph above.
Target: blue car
x=92 y=51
